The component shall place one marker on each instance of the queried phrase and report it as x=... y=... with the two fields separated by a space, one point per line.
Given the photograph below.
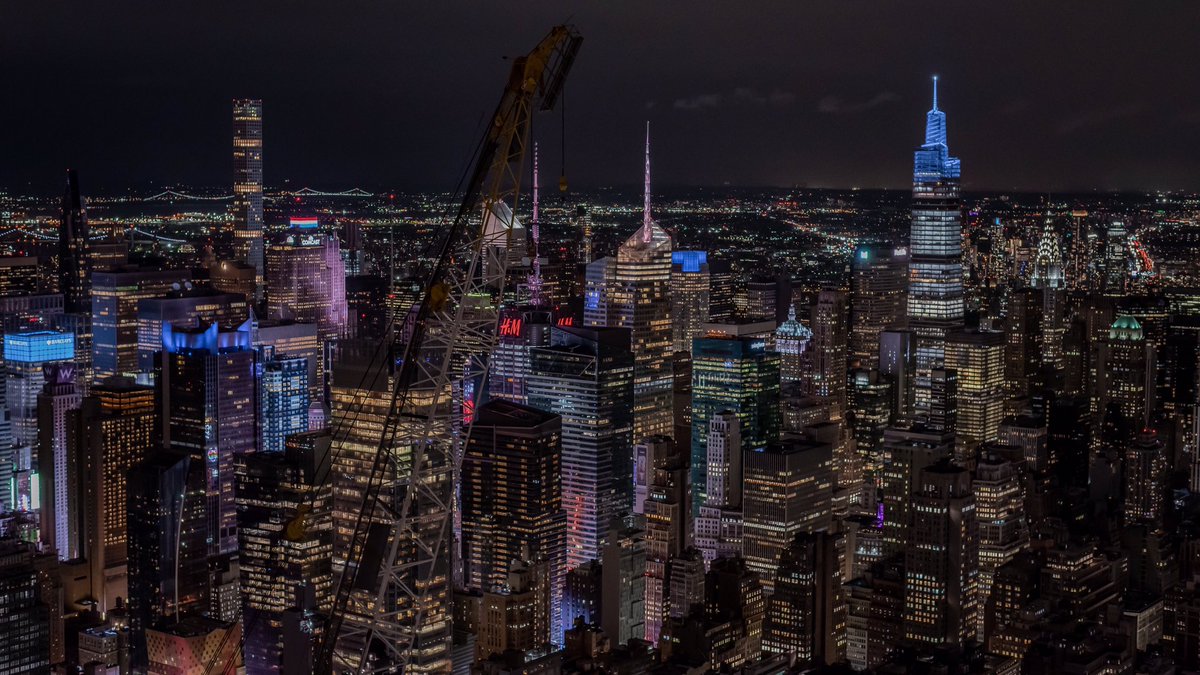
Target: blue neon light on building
x=933 y=163
x=44 y=346
x=689 y=261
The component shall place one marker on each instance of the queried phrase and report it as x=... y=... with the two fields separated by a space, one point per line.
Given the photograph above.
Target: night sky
x=1040 y=96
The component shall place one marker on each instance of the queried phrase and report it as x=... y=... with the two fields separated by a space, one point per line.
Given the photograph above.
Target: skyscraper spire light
x=535 y=279
x=646 y=233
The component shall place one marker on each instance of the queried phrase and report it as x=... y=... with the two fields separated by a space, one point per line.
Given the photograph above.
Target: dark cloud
x=698 y=102
x=835 y=105
x=1093 y=119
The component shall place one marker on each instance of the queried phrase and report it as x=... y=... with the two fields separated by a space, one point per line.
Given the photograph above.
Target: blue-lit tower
x=283 y=402
x=935 y=276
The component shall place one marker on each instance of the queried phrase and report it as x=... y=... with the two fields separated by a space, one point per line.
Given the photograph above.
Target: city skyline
x=785 y=97
x=269 y=430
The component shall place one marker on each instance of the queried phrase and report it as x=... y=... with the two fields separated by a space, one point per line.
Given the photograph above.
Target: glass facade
x=935 y=274
x=739 y=375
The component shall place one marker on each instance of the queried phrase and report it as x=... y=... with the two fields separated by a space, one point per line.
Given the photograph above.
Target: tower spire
x=646 y=233
x=535 y=280
x=935 y=79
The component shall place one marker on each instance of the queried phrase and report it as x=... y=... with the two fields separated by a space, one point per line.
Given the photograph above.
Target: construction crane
x=389 y=613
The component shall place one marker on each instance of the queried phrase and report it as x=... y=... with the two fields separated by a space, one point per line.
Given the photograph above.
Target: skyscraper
x=116 y=427
x=941 y=559
x=209 y=406
x=168 y=551
x=690 y=297
x=935 y=276
x=806 y=615
x=60 y=465
x=878 y=294
x=718 y=531
x=306 y=280
x=115 y=298
x=793 y=340
x=24 y=618
x=909 y=451
x=285 y=540
x=1003 y=529
x=828 y=350
x=512 y=505
x=977 y=357
x=586 y=377
x=185 y=304
x=667 y=509
x=361 y=395
x=520 y=330
x=283 y=402
x=1125 y=372
x=25 y=354
x=74 y=268
x=248 y=187
x=635 y=289
x=787 y=489
x=737 y=375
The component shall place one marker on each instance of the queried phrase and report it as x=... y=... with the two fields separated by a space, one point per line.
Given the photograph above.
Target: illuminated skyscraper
x=168 y=553
x=60 y=465
x=74 y=268
x=667 y=509
x=909 y=452
x=19 y=276
x=1114 y=262
x=209 y=406
x=306 y=280
x=878 y=292
x=512 y=507
x=283 y=402
x=806 y=615
x=935 y=276
x=115 y=298
x=737 y=375
x=1125 y=372
x=787 y=489
x=285 y=540
x=977 y=357
x=361 y=395
x=941 y=559
x=24 y=618
x=1003 y=529
x=25 y=354
x=586 y=377
x=1145 y=475
x=792 y=341
x=828 y=350
x=248 y=186
x=521 y=329
x=116 y=428
x=718 y=532
x=635 y=287
x=690 y=295
x=184 y=304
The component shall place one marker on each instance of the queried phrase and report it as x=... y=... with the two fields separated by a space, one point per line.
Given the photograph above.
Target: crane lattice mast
x=390 y=608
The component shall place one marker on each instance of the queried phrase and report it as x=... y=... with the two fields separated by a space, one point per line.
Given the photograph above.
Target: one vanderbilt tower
x=935 y=277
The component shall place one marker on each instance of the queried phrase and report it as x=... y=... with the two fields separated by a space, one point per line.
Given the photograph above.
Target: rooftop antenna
x=935 y=79
x=535 y=280
x=646 y=233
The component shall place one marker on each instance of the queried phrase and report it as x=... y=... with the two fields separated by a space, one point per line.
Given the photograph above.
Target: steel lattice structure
x=390 y=611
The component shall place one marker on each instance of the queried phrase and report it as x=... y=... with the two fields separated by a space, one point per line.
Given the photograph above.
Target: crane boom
x=390 y=609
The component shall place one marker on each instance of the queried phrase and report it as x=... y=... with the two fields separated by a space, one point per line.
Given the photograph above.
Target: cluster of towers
x=950 y=461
